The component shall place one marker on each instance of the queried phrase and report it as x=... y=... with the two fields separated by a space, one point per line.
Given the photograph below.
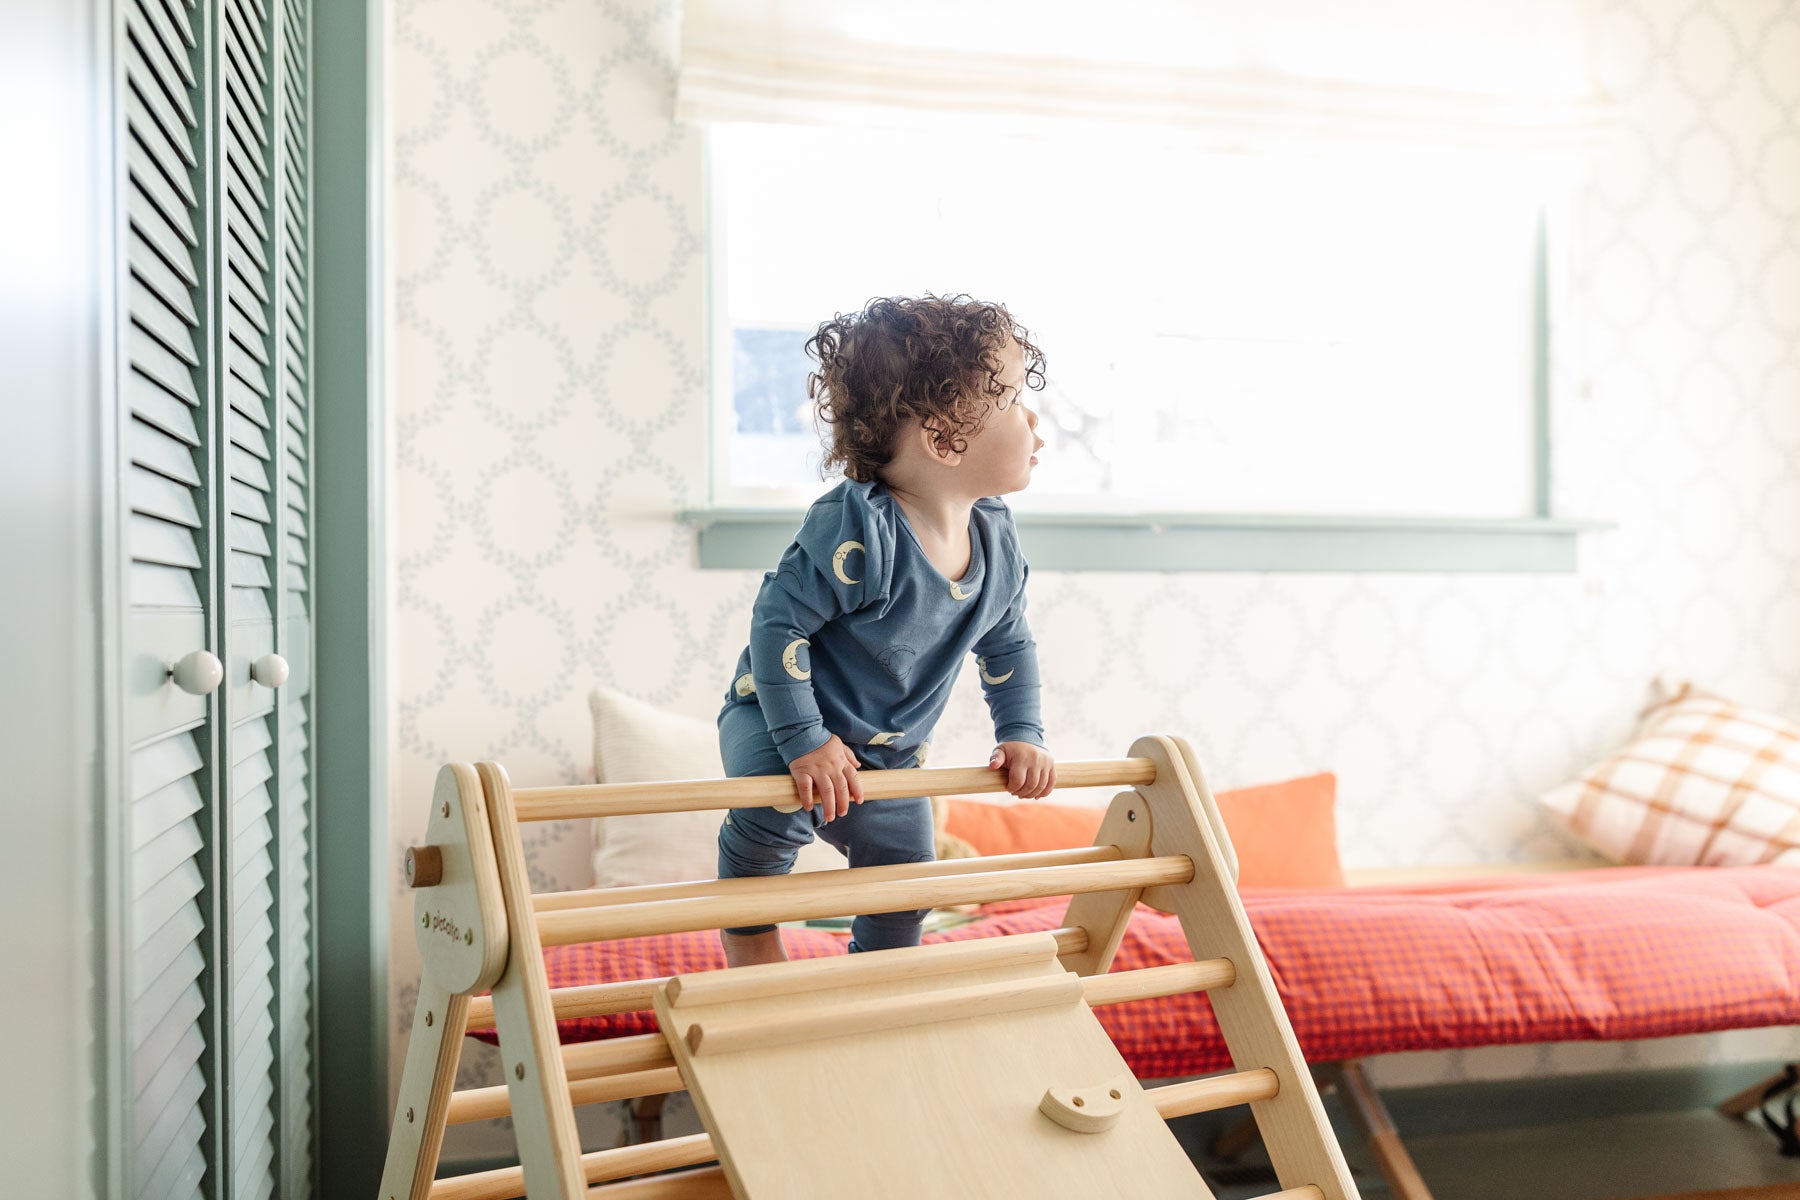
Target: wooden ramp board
x=922 y=1078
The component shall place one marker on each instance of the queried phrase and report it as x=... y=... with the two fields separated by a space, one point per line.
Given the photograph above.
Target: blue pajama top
x=856 y=634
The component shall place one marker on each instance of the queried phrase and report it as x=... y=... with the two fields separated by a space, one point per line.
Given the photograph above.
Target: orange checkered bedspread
x=1583 y=955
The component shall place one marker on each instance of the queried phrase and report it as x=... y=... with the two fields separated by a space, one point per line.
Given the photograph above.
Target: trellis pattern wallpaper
x=548 y=269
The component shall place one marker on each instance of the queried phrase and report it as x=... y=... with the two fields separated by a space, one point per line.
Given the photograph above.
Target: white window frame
x=846 y=61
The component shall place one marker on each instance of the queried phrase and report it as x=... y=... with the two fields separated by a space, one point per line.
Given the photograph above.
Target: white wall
x=550 y=358
x=56 y=1122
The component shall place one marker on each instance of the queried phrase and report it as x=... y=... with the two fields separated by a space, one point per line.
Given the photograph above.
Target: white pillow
x=1705 y=782
x=635 y=742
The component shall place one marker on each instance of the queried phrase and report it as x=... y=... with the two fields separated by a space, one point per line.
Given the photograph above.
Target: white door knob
x=198 y=673
x=271 y=670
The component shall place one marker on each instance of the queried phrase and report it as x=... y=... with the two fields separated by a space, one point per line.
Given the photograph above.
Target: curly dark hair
x=934 y=358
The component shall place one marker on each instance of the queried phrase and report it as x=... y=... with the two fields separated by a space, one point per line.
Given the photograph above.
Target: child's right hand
x=828 y=775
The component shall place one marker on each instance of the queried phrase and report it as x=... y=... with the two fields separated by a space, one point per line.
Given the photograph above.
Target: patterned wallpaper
x=548 y=277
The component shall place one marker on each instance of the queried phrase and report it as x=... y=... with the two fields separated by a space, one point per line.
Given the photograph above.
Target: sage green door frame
x=353 y=865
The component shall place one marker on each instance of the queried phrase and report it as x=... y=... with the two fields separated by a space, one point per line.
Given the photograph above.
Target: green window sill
x=753 y=539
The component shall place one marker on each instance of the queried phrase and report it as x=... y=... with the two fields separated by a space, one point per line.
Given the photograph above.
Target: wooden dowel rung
x=503 y=1183
x=626 y=1087
x=1305 y=1191
x=807 y=896
x=615 y=1069
x=484 y=1104
x=1147 y=983
x=607 y=897
x=634 y=995
x=1222 y=1091
x=762 y=791
x=616 y=1056
x=597 y=1166
x=703 y=1183
x=590 y=1000
x=806 y=1022
x=842 y=970
x=478 y=1104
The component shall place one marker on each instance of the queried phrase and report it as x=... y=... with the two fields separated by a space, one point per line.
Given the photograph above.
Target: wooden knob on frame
x=424 y=866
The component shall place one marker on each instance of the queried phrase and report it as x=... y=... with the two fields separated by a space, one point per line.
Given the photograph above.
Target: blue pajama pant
x=761 y=841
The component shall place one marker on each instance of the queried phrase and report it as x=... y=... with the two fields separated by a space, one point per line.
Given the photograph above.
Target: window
x=1291 y=264
x=1313 y=330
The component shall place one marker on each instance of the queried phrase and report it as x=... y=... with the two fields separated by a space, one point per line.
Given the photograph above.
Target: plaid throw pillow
x=1704 y=783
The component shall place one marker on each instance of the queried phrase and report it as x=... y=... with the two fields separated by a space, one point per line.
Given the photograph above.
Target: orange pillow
x=1285 y=833
x=1022 y=827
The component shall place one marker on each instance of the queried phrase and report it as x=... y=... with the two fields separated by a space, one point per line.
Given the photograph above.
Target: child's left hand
x=1030 y=771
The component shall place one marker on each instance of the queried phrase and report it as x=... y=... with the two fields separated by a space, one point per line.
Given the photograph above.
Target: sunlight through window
x=1320 y=332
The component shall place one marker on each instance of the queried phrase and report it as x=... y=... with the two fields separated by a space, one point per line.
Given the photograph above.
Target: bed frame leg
x=1754 y=1096
x=1371 y=1117
x=647 y=1115
x=1230 y=1143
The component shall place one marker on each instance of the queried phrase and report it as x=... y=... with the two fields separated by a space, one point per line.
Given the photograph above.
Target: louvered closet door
x=251 y=467
x=215 y=323
x=166 y=439
x=293 y=401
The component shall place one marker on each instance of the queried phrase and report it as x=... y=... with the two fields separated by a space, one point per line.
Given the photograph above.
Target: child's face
x=999 y=459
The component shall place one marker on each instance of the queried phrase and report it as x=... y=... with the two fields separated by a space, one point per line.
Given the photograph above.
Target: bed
x=1501 y=955
x=1608 y=954
x=1600 y=954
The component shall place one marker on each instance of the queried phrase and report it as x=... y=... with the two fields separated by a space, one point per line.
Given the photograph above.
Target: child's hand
x=1030 y=771
x=829 y=773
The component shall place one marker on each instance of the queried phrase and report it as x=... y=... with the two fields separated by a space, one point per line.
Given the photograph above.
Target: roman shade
x=1496 y=74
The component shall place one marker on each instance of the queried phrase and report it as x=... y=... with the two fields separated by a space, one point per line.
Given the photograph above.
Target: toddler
x=899 y=571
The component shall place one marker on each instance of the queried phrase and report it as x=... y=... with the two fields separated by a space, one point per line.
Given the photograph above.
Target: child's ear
x=940 y=452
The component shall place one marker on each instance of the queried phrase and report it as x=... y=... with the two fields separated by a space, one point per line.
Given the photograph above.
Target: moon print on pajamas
x=981 y=665
x=856 y=632
x=837 y=561
x=897 y=661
